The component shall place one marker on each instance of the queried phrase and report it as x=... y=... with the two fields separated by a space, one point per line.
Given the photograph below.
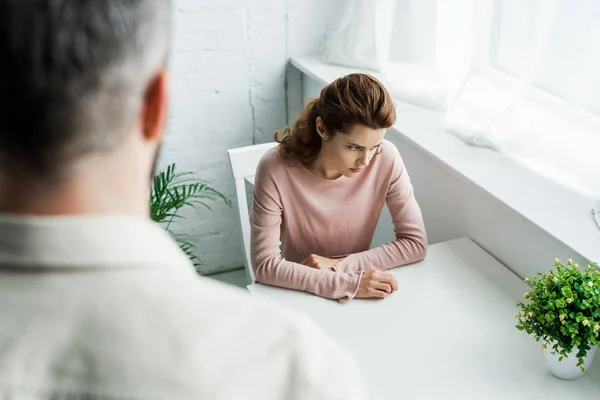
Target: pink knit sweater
x=295 y=213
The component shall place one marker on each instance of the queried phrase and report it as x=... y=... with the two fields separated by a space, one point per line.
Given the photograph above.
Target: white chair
x=244 y=161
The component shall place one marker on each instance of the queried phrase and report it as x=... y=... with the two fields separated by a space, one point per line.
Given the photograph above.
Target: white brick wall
x=228 y=90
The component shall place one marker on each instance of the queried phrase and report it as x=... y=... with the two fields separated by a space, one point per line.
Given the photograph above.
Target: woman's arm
x=269 y=267
x=410 y=244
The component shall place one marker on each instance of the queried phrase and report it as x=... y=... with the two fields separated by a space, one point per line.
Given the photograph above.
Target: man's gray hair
x=73 y=75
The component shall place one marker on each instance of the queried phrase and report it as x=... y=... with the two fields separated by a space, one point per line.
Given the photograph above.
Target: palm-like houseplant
x=174 y=191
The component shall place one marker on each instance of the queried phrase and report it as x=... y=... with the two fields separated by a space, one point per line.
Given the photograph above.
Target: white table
x=447 y=333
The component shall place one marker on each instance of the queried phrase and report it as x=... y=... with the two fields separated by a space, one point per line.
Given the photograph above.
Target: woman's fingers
x=389 y=279
x=378 y=294
x=376 y=284
x=319 y=262
x=386 y=287
x=309 y=261
x=394 y=284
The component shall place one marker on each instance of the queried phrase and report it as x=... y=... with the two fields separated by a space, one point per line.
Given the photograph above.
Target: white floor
x=236 y=278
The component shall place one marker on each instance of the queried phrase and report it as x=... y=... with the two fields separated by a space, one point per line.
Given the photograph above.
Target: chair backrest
x=244 y=161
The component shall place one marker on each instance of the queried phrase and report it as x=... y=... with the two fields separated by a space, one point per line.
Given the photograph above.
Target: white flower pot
x=567 y=368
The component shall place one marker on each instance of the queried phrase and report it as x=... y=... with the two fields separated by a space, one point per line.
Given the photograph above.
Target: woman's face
x=349 y=152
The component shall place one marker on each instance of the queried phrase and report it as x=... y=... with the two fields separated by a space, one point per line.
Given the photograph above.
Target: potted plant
x=173 y=192
x=563 y=311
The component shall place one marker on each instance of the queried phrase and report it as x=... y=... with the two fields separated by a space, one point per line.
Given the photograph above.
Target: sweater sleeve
x=410 y=244
x=267 y=262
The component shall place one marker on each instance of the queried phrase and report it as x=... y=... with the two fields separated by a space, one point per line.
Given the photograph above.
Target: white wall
x=229 y=90
x=454 y=207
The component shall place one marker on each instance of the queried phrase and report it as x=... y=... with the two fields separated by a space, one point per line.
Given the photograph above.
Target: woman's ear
x=321 y=128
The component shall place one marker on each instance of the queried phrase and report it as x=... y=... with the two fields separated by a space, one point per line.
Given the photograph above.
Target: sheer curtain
x=518 y=77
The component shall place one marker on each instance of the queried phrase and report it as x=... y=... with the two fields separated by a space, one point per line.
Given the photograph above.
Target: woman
x=319 y=194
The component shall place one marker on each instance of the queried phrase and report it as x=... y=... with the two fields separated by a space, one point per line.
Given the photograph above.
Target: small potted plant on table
x=563 y=312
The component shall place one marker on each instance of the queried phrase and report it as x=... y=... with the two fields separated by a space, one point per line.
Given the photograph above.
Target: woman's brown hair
x=351 y=100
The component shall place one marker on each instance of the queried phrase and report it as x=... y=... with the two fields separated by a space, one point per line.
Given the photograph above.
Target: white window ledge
x=561 y=212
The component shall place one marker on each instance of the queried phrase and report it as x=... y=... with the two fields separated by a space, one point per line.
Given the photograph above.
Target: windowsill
x=559 y=211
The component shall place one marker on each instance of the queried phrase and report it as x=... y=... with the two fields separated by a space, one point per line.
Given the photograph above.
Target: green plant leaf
x=173 y=192
x=560 y=301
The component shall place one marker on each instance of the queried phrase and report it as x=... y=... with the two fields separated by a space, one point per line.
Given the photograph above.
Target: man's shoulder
x=200 y=299
x=203 y=310
x=162 y=332
x=217 y=329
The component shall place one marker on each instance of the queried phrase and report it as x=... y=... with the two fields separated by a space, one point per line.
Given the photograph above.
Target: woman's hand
x=376 y=284
x=320 y=262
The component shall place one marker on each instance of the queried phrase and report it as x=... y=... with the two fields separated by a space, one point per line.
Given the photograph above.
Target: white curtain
x=519 y=77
